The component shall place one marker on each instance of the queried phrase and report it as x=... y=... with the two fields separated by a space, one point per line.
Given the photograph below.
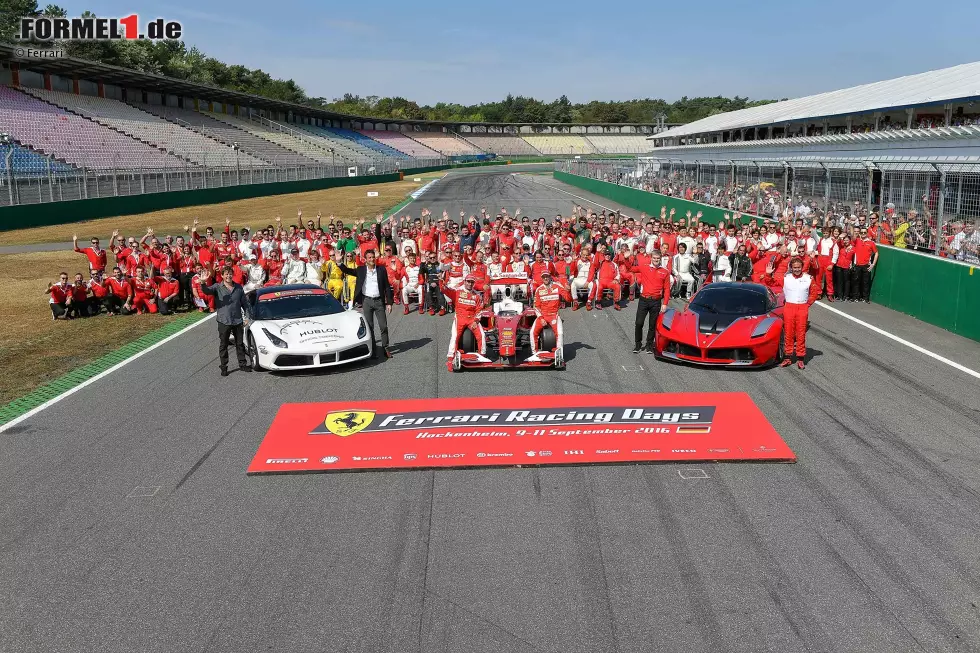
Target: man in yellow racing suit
x=333 y=275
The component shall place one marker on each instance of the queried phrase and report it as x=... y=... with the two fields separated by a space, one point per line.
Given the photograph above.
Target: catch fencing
x=58 y=182
x=939 y=200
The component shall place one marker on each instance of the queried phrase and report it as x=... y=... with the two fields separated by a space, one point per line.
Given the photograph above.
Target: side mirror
x=780 y=300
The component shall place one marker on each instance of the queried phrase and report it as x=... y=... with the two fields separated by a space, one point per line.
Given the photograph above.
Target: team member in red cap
x=469 y=302
x=801 y=291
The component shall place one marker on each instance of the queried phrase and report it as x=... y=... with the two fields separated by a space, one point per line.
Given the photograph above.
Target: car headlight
x=362 y=330
x=276 y=340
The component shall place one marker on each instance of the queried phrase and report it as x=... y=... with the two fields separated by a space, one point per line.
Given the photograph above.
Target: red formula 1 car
x=507 y=327
x=725 y=325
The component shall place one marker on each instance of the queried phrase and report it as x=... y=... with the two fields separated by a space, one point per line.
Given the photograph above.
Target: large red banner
x=523 y=430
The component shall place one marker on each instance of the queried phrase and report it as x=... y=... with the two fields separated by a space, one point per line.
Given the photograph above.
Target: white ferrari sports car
x=301 y=326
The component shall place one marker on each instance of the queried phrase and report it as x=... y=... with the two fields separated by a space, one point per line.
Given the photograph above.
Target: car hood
x=710 y=329
x=325 y=330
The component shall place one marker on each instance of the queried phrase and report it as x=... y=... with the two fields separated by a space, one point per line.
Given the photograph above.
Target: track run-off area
x=129 y=524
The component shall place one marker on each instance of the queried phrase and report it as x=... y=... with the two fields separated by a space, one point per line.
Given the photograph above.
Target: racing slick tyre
x=467 y=341
x=547 y=341
x=781 y=351
x=253 y=354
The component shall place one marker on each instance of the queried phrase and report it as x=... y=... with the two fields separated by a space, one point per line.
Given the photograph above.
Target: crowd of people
x=913 y=229
x=428 y=258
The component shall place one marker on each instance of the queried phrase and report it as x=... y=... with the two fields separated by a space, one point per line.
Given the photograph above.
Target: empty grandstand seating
x=287 y=139
x=74 y=139
x=559 y=143
x=506 y=145
x=365 y=141
x=247 y=142
x=403 y=143
x=345 y=148
x=24 y=161
x=620 y=143
x=148 y=128
x=448 y=144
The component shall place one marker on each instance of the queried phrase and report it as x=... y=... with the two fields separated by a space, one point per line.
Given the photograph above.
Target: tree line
x=175 y=59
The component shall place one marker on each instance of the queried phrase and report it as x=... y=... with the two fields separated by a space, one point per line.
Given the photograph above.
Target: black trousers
x=224 y=332
x=375 y=309
x=861 y=282
x=167 y=307
x=647 y=310
x=186 y=295
x=433 y=297
x=842 y=283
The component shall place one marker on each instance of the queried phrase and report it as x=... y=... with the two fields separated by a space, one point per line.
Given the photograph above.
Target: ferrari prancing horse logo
x=348 y=422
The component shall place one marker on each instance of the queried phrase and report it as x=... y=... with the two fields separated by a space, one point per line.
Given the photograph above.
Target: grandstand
x=228 y=134
x=402 y=143
x=619 y=143
x=147 y=128
x=288 y=139
x=74 y=139
x=503 y=144
x=560 y=144
x=365 y=141
x=28 y=162
x=347 y=148
x=447 y=143
x=939 y=103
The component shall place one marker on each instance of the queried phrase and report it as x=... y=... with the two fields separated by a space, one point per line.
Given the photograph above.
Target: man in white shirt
x=800 y=292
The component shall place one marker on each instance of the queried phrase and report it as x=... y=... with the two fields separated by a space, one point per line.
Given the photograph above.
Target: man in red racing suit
x=547 y=301
x=469 y=302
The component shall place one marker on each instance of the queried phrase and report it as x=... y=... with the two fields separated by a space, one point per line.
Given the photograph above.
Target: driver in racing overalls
x=333 y=275
x=547 y=301
x=469 y=302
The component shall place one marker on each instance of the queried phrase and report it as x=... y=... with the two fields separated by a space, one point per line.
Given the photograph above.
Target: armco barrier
x=932 y=289
x=642 y=200
x=935 y=290
x=36 y=215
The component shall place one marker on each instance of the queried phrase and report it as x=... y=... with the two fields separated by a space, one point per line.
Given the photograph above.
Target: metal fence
x=58 y=182
x=938 y=200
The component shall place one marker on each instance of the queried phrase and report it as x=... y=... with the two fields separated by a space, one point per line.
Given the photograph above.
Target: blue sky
x=470 y=52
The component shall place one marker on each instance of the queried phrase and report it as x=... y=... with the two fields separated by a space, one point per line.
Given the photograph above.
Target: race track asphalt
x=870 y=543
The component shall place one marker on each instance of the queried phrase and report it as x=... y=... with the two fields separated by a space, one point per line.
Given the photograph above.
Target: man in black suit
x=373 y=295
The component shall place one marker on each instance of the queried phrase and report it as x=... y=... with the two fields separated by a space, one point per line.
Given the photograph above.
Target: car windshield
x=292 y=304
x=730 y=301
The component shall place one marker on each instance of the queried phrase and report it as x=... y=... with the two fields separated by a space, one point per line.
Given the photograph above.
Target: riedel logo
x=90 y=28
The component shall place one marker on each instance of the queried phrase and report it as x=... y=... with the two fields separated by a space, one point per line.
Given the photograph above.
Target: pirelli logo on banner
x=688 y=419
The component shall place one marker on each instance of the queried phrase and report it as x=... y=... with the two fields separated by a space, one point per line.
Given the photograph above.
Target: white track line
x=910 y=345
x=101 y=375
x=578 y=197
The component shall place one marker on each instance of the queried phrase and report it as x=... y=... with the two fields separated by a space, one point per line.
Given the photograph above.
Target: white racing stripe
x=101 y=375
x=903 y=341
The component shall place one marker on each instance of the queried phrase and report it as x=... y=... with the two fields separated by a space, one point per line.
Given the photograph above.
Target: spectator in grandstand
x=229 y=298
x=374 y=296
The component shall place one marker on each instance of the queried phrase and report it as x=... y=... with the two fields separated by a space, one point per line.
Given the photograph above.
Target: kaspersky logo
x=90 y=28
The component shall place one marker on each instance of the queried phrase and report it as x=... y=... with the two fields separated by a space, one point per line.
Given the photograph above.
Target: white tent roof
x=936 y=86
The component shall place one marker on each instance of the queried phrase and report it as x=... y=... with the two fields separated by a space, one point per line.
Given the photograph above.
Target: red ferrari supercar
x=724 y=325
